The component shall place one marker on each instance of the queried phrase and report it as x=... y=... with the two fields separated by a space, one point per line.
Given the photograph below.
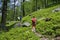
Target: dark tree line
x=4 y=15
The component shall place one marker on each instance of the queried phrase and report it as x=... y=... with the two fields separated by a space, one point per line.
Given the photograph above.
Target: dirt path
x=42 y=37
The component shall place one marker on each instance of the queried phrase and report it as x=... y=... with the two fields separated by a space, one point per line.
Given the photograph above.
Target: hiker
x=20 y=18
x=33 y=23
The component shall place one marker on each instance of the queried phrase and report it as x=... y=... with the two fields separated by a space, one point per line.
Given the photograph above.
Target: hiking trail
x=42 y=37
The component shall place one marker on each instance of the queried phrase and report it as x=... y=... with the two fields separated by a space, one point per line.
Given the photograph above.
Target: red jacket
x=34 y=20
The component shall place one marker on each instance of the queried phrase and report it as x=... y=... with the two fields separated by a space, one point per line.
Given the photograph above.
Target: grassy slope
x=43 y=27
x=11 y=23
x=21 y=33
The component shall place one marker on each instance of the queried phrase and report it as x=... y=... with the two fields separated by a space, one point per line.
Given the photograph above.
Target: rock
x=26 y=24
x=47 y=19
x=56 y=10
x=57 y=37
x=17 y=25
x=44 y=39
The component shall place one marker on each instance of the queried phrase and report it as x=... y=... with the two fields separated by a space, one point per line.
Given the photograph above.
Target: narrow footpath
x=42 y=37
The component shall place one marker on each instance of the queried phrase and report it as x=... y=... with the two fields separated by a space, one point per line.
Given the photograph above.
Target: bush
x=19 y=34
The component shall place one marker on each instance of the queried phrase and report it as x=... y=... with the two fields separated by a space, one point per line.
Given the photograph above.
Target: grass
x=19 y=34
x=43 y=27
x=49 y=28
x=11 y=23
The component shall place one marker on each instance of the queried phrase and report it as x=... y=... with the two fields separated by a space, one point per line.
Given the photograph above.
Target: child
x=33 y=23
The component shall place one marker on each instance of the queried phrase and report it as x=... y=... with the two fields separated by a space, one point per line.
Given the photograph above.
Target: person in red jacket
x=33 y=23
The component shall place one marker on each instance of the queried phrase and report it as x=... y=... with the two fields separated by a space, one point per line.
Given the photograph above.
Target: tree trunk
x=14 y=11
x=4 y=15
x=45 y=3
x=23 y=8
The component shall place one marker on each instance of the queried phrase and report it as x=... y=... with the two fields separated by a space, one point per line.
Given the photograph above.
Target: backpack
x=34 y=20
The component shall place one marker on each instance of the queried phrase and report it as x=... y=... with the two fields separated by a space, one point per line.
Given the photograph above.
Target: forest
x=16 y=15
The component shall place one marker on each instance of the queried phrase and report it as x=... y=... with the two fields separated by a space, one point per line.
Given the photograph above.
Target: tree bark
x=23 y=8
x=14 y=11
x=45 y=3
x=4 y=15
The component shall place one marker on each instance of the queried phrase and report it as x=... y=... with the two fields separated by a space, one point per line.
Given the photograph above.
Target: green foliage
x=19 y=34
x=27 y=7
x=42 y=26
x=11 y=14
x=9 y=23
